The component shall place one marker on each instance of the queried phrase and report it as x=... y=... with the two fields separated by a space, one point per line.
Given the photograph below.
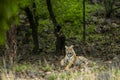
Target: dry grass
x=83 y=74
x=46 y=70
x=86 y=74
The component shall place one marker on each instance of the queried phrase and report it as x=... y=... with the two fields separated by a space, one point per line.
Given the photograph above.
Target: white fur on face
x=71 y=46
x=69 y=49
x=66 y=47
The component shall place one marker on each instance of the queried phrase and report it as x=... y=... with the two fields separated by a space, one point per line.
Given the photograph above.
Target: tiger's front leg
x=69 y=65
x=62 y=62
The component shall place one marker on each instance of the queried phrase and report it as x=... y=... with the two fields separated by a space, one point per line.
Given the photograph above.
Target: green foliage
x=21 y=67
x=95 y=37
x=70 y=14
x=90 y=28
x=42 y=9
x=52 y=77
x=7 y=10
x=47 y=68
x=68 y=11
x=24 y=3
x=91 y=9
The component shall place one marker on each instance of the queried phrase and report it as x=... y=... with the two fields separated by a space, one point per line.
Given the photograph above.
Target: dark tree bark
x=60 y=41
x=33 y=19
x=108 y=14
x=56 y=28
x=108 y=4
x=11 y=46
x=84 y=23
x=109 y=7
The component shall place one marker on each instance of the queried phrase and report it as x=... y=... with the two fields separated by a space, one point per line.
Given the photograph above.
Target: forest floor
x=47 y=67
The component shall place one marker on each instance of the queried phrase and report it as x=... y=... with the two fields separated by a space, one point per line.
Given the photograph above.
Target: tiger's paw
x=66 y=68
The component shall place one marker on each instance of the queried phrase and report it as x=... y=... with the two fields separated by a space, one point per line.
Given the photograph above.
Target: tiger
x=72 y=59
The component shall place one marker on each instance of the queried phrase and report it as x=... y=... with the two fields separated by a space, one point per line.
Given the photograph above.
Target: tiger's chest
x=69 y=59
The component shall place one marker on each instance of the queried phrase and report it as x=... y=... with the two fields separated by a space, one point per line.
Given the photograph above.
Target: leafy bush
x=70 y=14
x=7 y=11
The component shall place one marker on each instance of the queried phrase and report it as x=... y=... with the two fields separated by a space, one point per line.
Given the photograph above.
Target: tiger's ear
x=71 y=46
x=66 y=47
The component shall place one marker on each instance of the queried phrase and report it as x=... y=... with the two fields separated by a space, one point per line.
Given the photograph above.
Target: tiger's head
x=69 y=51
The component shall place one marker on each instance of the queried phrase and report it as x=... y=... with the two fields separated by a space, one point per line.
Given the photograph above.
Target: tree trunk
x=34 y=26
x=108 y=4
x=60 y=41
x=11 y=46
x=84 y=22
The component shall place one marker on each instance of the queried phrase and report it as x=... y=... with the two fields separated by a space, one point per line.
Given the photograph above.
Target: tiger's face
x=69 y=51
